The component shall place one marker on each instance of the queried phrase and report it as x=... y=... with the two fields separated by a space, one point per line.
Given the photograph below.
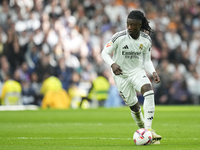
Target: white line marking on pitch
x=84 y=138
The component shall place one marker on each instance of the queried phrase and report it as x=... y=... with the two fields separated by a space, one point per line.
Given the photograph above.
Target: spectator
x=36 y=86
x=32 y=56
x=64 y=74
x=54 y=96
x=179 y=92
x=193 y=83
x=28 y=93
x=41 y=32
x=172 y=38
x=4 y=68
x=11 y=92
x=43 y=68
x=98 y=91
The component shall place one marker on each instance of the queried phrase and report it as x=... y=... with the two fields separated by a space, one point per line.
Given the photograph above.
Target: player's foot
x=155 y=136
x=155 y=142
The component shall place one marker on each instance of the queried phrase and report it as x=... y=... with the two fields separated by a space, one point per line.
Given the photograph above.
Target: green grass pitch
x=97 y=129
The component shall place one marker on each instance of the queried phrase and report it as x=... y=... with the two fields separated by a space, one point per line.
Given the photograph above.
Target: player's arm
x=106 y=55
x=148 y=65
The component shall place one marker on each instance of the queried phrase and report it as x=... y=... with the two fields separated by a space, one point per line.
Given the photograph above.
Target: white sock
x=138 y=117
x=149 y=108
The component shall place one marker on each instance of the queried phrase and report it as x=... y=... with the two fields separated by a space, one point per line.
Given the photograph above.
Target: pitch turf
x=97 y=129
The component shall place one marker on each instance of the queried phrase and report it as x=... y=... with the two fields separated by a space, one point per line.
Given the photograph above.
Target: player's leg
x=137 y=114
x=148 y=105
x=128 y=93
x=149 y=109
x=143 y=85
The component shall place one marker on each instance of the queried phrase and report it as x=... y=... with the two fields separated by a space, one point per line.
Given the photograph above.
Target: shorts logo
x=141 y=46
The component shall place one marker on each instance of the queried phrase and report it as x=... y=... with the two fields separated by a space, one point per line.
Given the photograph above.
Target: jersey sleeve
x=148 y=65
x=108 y=49
x=148 y=43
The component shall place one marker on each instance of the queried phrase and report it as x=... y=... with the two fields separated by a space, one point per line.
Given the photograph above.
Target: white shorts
x=127 y=86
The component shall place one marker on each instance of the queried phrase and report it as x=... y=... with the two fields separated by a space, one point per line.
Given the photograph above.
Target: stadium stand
x=64 y=38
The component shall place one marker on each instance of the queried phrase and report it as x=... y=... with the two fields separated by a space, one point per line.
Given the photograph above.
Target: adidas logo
x=125 y=47
x=150 y=118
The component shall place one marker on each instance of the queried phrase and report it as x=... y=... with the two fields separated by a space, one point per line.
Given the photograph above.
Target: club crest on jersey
x=141 y=46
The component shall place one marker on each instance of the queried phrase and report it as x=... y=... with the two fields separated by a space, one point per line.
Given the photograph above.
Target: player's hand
x=116 y=69
x=156 y=77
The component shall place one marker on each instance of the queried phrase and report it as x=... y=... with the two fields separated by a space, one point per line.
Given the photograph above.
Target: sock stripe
x=149 y=94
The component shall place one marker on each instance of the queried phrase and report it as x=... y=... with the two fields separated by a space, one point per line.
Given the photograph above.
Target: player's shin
x=149 y=108
x=138 y=117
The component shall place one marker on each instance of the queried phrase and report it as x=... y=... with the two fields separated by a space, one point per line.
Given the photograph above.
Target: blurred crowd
x=64 y=39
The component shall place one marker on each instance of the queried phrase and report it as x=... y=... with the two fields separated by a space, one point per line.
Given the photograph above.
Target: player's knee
x=145 y=88
x=136 y=107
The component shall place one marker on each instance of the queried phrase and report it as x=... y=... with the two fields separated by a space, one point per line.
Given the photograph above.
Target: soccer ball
x=142 y=137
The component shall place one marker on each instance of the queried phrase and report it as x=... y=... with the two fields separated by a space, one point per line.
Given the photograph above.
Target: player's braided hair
x=136 y=14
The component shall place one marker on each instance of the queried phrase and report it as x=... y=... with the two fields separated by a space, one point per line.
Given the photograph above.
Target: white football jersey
x=129 y=53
